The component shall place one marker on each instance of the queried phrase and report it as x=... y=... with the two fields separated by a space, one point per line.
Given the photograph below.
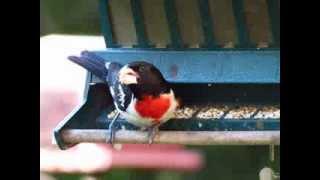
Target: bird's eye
x=141 y=68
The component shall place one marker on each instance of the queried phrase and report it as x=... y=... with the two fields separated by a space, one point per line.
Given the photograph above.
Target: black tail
x=92 y=63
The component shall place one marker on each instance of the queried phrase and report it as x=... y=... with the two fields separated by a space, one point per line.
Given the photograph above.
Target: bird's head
x=143 y=77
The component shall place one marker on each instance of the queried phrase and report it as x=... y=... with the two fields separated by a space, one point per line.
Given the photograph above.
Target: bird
x=140 y=92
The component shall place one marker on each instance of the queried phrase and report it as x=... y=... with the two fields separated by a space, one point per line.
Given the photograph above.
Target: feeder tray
x=230 y=96
x=246 y=101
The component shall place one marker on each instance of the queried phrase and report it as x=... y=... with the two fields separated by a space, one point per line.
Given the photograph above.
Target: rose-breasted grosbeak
x=139 y=91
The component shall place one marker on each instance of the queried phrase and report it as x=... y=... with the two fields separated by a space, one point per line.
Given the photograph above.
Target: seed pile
x=186 y=112
x=213 y=111
x=241 y=112
x=268 y=112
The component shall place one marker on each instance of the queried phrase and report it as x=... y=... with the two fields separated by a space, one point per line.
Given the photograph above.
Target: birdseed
x=214 y=111
x=239 y=112
x=211 y=112
x=268 y=112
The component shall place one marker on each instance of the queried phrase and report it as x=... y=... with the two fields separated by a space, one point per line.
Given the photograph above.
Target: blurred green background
x=69 y=17
x=221 y=162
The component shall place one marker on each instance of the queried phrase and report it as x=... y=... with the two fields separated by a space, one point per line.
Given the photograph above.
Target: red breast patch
x=150 y=107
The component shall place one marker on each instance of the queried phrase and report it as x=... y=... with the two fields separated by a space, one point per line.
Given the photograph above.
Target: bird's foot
x=112 y=132
x=112 y=129
x=153 y=130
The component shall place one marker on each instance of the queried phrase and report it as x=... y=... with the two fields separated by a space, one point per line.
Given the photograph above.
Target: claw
x=112 y=130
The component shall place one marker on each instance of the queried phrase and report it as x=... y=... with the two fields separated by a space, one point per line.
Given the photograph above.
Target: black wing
x=120 y=93
x=106 y=71
x=92 y=63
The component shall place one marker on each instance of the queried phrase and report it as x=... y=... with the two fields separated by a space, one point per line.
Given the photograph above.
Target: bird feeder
x=224 y=65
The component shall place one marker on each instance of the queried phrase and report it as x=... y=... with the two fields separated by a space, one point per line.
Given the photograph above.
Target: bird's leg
x=112 y=131
x=153 y=130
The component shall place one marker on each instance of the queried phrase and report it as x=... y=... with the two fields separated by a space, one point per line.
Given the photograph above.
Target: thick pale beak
x=128 y=76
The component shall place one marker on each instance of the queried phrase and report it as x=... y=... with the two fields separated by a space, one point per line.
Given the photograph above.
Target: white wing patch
x=111 y=91
x=121 y=95
x=107 y=64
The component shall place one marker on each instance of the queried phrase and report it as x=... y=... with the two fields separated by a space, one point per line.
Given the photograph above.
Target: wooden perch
x=177 y=137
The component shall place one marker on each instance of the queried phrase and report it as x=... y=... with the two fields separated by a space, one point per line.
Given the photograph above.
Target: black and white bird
x=139 y=91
